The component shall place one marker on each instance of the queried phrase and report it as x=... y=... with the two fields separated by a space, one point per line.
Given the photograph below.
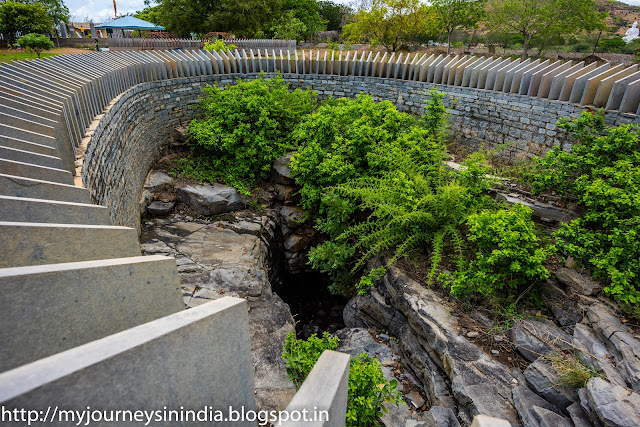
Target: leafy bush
x=219 y=45
x=342 y=141
x=374 y=177
x=603 y=171
x=300 y=356
x=613 y=44
x=35 y=42
x=376 y=181
x=507 y=254
x=243 y=129
x=368 y=388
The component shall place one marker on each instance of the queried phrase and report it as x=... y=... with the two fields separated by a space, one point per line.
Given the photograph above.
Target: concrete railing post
x=323 y=395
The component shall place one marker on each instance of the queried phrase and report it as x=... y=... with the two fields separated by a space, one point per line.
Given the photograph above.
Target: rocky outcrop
x=611 y=405
x=234 y=257
x=578 y=282
x=544 y=380
x=478 y=384
x=619 y=340
x=211 y=199
x=535 y=338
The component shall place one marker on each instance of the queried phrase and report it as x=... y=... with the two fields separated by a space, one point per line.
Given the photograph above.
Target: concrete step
x=26 y=243
x=18 y=186
x=27 y=170
x=47 y=309
x=20 y=144
x=31 y=158
x=26 y=135
x=22 y=209
x=196 y=358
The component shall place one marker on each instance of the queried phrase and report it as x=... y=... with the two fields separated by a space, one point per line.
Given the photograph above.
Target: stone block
x=27 y=170
x=21 y=209
x=51 y=308
x=27 y=244
x=325 y=389
x=194 y=359
x=38 y=189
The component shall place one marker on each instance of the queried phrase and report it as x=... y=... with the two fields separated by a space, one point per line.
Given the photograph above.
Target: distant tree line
x=395 y=24
x=284 y=19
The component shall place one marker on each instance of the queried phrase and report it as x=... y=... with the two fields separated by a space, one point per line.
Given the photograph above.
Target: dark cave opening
x=313 y=307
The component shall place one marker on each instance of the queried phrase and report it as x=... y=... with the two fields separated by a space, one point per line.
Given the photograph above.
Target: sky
x=102 y=10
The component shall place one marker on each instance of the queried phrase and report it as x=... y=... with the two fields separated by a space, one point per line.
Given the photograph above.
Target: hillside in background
x=621 y=15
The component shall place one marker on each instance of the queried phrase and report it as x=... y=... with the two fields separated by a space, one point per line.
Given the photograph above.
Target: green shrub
x=342 y=141
x=603 y=171
x=35 y=42
x=243 y=129
x=374 y=176
x=507 y=254
x=219 y=45
x=613 y=44
x=301 y=355
x=368 y=388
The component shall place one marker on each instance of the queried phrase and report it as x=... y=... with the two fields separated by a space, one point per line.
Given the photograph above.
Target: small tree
x=35 y=42
x=387 y=23
x=453 y=14
x=22 y=18
x=541 y=18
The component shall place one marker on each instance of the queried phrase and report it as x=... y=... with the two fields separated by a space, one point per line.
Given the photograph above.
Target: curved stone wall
x=130 y=135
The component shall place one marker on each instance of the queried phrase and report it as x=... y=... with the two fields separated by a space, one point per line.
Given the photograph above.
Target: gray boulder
x=438 y=416
x=578 y=416
x=292 y=217
x=157 y=179
x=211 y=199
x=544 y=380
x=479 y=384
x=546 y=418
x=158 y=208
x=594 y=353
x=614 y=406
x=619 y=340
x=281 y=171
x=535 y=338
x=233 y=259
x=526 y=400
x=578 y=282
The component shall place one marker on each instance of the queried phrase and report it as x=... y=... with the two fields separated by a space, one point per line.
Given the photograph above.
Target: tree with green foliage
x=541 y=18
x=388 y=23
x=240 y=17
x=35 y=42
x=151 y=14
x=306 y=12
x=243 y=129
x=336 y=15
x=507 y=254
x=359 y=156
x=368 y=388
x=454 y=14
x=603 y=171
x=16 y=17
x=288 y=27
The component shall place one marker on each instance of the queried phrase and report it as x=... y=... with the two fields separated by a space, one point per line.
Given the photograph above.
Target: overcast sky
x=102 y=10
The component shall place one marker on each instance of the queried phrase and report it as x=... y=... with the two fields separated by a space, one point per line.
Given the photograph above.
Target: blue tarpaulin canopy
x=130 y=23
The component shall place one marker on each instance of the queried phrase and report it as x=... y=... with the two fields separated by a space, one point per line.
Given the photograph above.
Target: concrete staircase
x=85 y=319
